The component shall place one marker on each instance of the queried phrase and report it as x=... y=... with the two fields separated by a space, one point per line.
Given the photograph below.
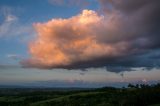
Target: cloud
x=120 y=38
x=82 y=3
x=7 y=25
x=14 y=56
x=10 y=25
x=63 y=42
x=8 y=66
x=10 y=18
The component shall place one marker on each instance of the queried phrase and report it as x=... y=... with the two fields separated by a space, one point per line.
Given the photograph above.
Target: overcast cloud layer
x=122 y=35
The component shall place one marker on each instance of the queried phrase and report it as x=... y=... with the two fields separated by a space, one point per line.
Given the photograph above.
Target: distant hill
x=133 y=95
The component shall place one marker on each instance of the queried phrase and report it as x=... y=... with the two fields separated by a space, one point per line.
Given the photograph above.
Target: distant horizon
x=51 y=85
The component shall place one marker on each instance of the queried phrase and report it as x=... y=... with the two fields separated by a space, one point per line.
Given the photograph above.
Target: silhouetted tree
x=131 y=85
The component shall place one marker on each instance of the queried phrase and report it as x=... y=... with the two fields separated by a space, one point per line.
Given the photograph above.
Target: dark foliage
x=134 y=95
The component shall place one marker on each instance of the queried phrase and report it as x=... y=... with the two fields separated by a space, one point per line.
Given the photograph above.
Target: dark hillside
x=134 y=95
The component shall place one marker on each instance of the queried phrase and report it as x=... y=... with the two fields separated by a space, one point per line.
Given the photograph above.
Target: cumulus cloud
x=63 y=42
x=124 y=32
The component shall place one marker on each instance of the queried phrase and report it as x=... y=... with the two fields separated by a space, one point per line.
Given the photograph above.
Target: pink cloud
x=63 y=42
x=117 y=38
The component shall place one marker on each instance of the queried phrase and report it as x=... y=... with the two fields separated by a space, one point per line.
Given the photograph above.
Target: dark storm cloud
x=126 y=35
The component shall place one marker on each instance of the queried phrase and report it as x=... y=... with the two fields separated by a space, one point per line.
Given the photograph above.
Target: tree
x=131 y=85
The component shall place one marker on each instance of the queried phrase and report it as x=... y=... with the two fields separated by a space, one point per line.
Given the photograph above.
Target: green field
x=133 y=96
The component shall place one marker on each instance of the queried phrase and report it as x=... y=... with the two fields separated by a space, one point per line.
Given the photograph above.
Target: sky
x=79 y=43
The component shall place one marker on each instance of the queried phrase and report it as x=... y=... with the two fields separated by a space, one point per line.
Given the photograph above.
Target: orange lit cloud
x=63 y=42
x=119 y=39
